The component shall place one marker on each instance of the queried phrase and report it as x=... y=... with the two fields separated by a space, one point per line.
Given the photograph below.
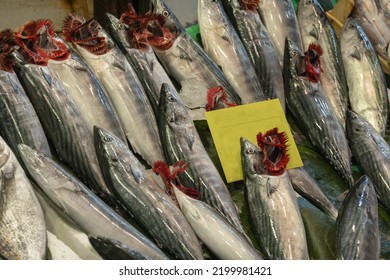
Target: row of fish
x=106 y=102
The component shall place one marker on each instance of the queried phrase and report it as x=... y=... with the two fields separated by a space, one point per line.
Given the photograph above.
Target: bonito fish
x=143 y=198
x=123 y=87
x=181 y=142
x=223 y=44
x=22 y=224
x=74 y=199
x=316 y=28
x=357 y=226
x=19 y=122
x=273 y=207
x=366 y=80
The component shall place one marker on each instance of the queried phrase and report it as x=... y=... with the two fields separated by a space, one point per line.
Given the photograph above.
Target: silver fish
x=19 y=122
x=365 y=77
x=281 y=21
x=63 y=123
x=273 y=207
x=372 y=154
x=128 y=97
x=357 y=227
x=261 y=51
x=308 y=104
x=190 y=66
x=316 y=28
x=181 y=141
x=79 y=203
x=143 y=198
x=223 y=44
x=145 y=63
x=215 y=231
x=22 y=224
x=308 y=188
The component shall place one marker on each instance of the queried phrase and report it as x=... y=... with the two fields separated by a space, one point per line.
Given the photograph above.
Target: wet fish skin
x=65 y=128
x=308 y=188
x=357 y=227
x=223 y=44
x=128 y=98
x=143 y=198
x=224 y=240
x=316 y=28
x=181 y=141
x=145 y=63
x=273 y=207
x=281 y=21
x=260 y=48
x=372 y=153
x=365 y=77
x=308 y=104
x=22 y=225
x=189 y=65
x=79 y=203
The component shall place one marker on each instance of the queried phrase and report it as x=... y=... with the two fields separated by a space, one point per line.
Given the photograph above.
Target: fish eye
x=165 y=13
x=121 y=26
x=250 y=151
x=107 y=138
x=294 y=52
x=171 y=98
x=40 y=155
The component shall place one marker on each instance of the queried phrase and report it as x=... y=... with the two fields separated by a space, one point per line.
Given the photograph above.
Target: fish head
x=294 y=60
x=7 y=47
x=188 y=207
x=117 y=29
x=87 y=34
x=312 y=17
x=38 y=42
x=357 y=125
x=170 y=20
x=251 y=158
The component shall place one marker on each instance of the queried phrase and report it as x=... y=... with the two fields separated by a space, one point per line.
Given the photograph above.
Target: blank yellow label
x=228 y=125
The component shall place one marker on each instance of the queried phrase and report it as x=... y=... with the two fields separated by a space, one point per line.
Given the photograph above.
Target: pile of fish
x=103 y=154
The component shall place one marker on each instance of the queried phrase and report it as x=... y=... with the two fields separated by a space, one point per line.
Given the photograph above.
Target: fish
x=316 y=28
x=308 y=188
x=280 y=19
x=65 y=128
x=143 y=60
x=181 y=142
x=366 y=80
x=81 y=205
x=143 y=198
x=222 y=43
x=125 y=90
x=224 y=240
x=189 y=65
x=259 y=46
x=372 y=154
x=357 y=226
x=273 y=208
x=308 y=104
x=22 y=224
x=58 y=250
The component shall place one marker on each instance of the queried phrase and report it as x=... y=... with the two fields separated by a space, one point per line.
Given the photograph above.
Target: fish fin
x=314 y=33
x=190 y=137
x=119 y=64
x=137 y=173
x=183 y=55
x=47 y=76
x=227 y=39
x=271 y=189
x=356 y=54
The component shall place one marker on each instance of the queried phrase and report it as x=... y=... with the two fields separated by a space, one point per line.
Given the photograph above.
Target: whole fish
x=181 y=142
x=365 y=77
x=19 y=122
x=273 y=208
x=308 y=188
x=119 y=79
x=316 y=28
x=144 y=61
x=63 y=123
x=79 y=203
x=357 y=227
x=223 y=44
x=143 y=198
x=258 y=44
x=224 y=240
x=281 y=21
x=372 y=154
x=190 y=66
x=308 y=104
x=22 y=224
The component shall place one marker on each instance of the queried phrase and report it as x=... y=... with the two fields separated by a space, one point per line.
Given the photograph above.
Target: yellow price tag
x=228 y=125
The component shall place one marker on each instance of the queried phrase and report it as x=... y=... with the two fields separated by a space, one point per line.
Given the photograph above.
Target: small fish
x=357 y=227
